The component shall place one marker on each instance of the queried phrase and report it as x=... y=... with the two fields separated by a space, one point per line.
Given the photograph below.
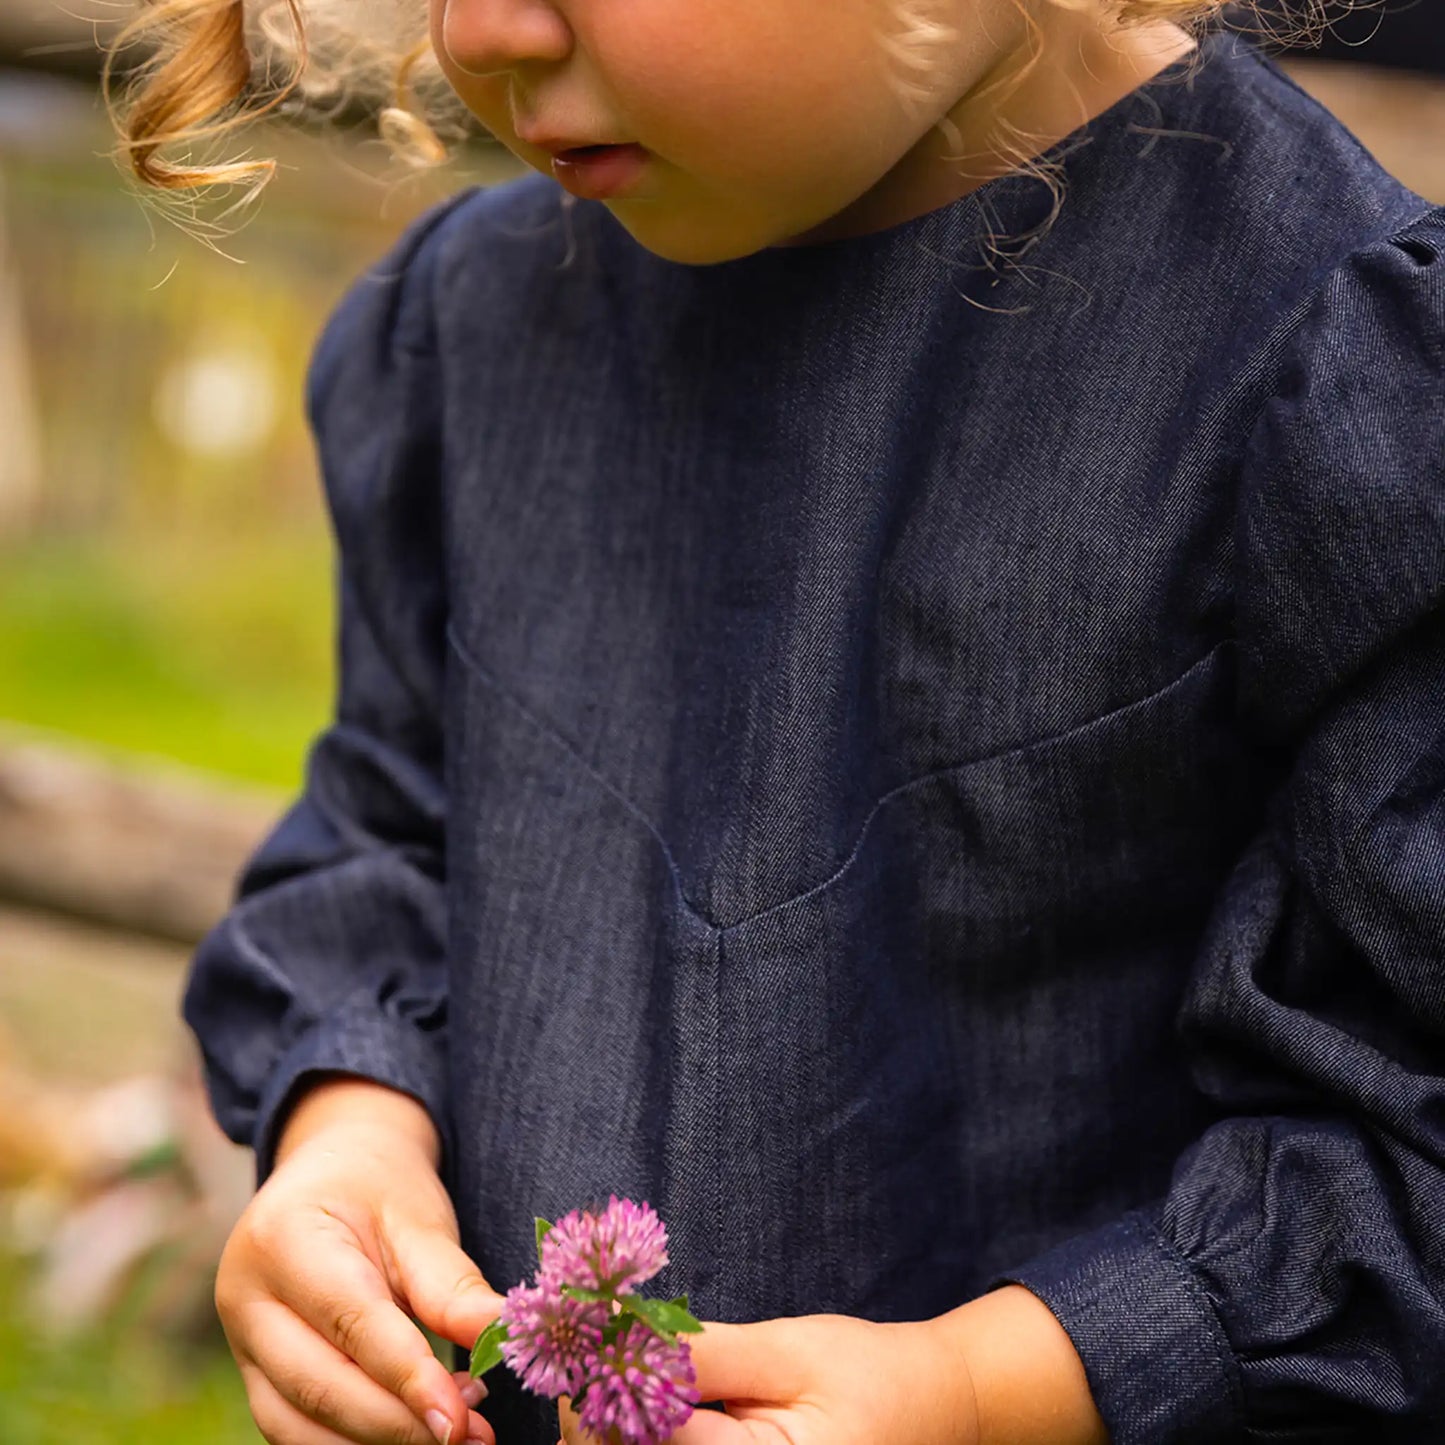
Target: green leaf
x=543 y=1226
x=680 y=1300
x=487 y=1352
x=591 y=1295
x=666 y=1318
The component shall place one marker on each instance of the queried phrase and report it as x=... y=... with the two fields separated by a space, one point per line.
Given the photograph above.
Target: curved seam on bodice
x=547 y=729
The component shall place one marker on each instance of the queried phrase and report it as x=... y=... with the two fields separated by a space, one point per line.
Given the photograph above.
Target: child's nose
x=484 y=37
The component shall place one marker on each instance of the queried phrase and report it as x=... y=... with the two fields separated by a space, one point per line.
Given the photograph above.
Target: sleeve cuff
x=357 y=1038
x=1159 y=1366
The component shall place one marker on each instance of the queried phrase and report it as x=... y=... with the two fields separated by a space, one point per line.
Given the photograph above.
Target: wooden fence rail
x=149 y=851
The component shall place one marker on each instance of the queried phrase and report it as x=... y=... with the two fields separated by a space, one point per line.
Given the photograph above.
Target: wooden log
x=152 y=850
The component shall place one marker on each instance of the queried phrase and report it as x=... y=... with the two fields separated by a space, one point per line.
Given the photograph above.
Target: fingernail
x=473 y=1387
x=439 y=1425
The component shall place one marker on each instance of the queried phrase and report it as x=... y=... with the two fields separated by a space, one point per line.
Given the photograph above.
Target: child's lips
x=556 y=142
x=599 y=172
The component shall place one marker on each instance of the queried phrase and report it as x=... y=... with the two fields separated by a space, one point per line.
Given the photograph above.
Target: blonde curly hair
x=208 y=68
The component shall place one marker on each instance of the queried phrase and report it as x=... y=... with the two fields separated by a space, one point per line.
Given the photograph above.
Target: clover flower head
x=641 y=1386
x=616 y=1250
x=552 y=1339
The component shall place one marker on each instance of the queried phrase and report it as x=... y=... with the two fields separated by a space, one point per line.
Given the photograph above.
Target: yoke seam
x=549 y=730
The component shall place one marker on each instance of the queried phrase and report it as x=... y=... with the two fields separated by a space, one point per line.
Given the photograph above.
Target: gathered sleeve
x=332 y=957
x=1289 y=1285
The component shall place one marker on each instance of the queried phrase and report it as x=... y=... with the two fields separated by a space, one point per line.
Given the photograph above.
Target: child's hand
x=352 y=1232
x=823 y=1380
x=1000 y=1366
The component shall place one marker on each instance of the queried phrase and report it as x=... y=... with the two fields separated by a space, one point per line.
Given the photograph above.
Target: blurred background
x=165 y=657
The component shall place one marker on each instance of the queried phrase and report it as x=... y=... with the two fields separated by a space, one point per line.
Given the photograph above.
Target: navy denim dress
x=928 y=769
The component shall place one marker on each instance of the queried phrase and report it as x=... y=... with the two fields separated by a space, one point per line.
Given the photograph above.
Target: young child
x=890 y=708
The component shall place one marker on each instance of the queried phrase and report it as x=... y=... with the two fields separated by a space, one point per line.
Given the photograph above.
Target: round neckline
x=1104 y=123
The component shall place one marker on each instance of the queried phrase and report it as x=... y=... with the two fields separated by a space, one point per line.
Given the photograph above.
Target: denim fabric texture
x=930 y=773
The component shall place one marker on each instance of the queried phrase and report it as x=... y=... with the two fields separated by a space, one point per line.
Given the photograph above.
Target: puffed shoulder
x=372 y=393
x=386 y=309
x=374 y=404
x=1340 y=527
x=392 y=309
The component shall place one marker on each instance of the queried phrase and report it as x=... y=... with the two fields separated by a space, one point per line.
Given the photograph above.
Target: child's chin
x=688 y=243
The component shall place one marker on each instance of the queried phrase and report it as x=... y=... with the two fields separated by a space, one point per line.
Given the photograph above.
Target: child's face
x=766 y=122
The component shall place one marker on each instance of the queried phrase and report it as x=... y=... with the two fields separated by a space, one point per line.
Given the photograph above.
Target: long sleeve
x=1290 y=1284
x=332 y=955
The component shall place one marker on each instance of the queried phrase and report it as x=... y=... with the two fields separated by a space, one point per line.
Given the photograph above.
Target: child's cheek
x=717 y=102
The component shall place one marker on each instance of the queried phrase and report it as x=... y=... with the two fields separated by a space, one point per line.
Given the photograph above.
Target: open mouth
x=600 y=172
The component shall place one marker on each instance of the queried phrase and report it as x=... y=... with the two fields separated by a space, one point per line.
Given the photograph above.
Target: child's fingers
x=278 y=1420
x=443 y=1286
x=324 y=1386
x=571 y=1427
x=708 y=1427
x=337 y=1290
x=473 y=1392
x=567 y=1422
x=746 y=1362
x=281 y=1423
x=704 y=1427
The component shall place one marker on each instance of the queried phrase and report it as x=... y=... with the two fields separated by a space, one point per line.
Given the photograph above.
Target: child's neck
x=1081 y=72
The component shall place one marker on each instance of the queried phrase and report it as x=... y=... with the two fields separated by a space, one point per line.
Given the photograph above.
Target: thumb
x=443 y=1287
x=746 y=1362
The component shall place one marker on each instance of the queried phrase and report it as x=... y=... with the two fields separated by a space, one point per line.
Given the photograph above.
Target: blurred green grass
x=119 y=1387
x=214 y=651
